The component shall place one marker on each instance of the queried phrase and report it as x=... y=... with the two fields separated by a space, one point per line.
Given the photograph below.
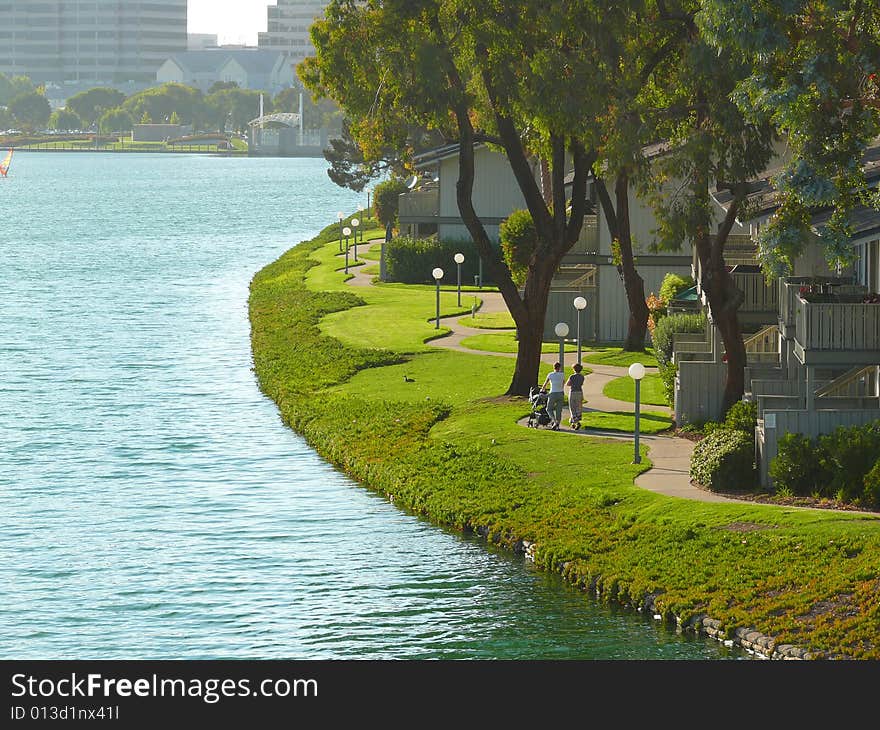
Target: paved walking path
x=670 y=456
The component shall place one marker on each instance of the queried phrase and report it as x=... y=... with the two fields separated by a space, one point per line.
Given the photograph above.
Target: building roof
x=211 y=60
x=762 y=200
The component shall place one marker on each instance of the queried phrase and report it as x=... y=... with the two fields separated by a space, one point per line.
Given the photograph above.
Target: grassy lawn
x=650 y=392
x=447 y=446
x=506 y=342
x=649 y=421
x=489 y=321
x=616 y=356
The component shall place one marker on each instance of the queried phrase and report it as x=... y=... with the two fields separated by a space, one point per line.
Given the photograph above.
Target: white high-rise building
x=288 y=28
x=98 y=41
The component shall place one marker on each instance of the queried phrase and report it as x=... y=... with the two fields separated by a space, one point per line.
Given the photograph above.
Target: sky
x=234 y=21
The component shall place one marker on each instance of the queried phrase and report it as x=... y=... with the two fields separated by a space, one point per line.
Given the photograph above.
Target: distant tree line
x=224 y=108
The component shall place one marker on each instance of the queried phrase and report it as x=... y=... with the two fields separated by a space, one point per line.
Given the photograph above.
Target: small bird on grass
x=408 y=379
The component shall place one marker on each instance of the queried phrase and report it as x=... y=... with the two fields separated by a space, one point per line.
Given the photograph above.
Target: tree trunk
x=619 y=227
x=724 y=298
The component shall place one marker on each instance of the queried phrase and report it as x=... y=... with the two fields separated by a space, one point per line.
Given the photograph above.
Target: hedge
x=411 y=260
x=725 y=461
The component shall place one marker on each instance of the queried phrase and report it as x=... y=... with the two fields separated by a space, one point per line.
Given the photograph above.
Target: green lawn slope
x=354 y=372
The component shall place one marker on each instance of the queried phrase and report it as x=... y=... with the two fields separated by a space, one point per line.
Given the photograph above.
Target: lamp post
x=340 y=215
x=438 y=274
x=637 y=372
x=579 y=304
x=354 y=224
x=346 y=232
x=561 y=331
x=459 y=260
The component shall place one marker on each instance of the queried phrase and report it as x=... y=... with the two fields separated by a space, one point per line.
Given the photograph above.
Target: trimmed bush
x=725 y=461
x=411 y=260
x=667 y=372
x=668 y=326
x=518 y=242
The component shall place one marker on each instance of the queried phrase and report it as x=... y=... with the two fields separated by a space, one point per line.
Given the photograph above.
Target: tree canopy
x=90 y=105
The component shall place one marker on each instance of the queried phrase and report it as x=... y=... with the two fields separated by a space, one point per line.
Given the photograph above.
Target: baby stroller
x=539 y=416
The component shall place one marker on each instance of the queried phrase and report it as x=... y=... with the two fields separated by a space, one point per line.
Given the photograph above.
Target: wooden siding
x=496 y=192
x=560 y=308
x=700 y=399
x=809 y=423
x=613 y=307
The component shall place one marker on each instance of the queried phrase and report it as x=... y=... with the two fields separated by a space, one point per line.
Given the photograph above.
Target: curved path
x=670 y=456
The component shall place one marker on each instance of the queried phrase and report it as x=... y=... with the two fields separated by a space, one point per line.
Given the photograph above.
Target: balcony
x=421 y=205
x=844 y=330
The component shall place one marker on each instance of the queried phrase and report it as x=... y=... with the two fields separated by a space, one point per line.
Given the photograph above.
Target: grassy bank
x=444 y=442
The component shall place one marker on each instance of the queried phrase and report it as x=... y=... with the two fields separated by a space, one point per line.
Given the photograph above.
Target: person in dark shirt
x=575 y=383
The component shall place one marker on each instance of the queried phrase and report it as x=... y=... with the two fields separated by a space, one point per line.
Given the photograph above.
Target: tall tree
x=513 y=74
x=814 y=75
x=91 y=104
x=31 y=110
x=711 y=144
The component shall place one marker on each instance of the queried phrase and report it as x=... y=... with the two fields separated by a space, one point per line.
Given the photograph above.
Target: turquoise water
x=153 y=505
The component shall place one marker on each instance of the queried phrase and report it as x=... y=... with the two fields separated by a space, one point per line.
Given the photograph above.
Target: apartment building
x=90 y=41
x=288 y=28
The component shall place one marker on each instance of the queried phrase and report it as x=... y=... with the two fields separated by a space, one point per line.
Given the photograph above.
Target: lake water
x=153 y=505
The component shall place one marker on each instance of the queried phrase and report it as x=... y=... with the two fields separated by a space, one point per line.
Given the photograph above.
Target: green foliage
x=674 y=284
x=667 y=373
x=847 y=455
x=519 y=239
x=160 y=103
x=670 y=325
x=871 y=492
x=411 y=260
x=835 y=465
x=91 y=105
x=742 y=416
x=31 y=110
x=386 y=198
x=65 y=120
x=14 y=86
x=115 y=121
x=725 y=461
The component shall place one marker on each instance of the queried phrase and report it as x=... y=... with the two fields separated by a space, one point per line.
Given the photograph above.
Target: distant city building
x=288 y=28
x=250 y=68
x=200 y=41
x=94 y=42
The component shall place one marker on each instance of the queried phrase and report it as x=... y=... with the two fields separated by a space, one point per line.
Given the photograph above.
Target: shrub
x=724 y=461
x=668 y=326
x=656 y=311
x=796 y=468
x=411 y=260
x=742 y=416
x=518 y=242
x=386 y=197
x=667 y=372
x=871 y=493
x=674 y=284
x=847 y=455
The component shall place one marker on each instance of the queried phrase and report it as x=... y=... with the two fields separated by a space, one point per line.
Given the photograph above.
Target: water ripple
x=152 y=505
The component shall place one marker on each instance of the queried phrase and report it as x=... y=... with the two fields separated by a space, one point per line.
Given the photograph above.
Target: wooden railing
x=832 y=326
x=758 y=295
x=764 y=340
x=859 y=382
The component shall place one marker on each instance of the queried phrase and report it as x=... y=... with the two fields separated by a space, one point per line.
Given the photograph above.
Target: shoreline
x=611 y=577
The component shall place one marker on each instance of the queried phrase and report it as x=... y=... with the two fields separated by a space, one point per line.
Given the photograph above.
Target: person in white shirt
x=556 y=381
